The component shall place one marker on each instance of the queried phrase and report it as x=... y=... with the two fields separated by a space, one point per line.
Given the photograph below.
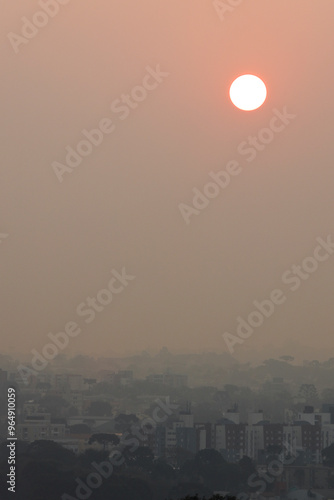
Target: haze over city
x=120 y=206
x=167 y=250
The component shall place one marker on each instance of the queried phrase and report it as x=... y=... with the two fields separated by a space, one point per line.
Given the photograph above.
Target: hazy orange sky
x=120 y=206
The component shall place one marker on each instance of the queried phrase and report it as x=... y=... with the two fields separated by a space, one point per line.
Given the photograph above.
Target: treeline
x=47 y=471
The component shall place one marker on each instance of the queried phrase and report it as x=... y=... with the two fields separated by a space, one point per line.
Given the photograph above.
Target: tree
x=44 y=450
x=190 y=491
x=124 y=422
x=287 y=358
x=179 y=456
x=213 y=497
x=163 y=469
x=247 y=468
x=90 y=455
x=209 y=457
x=328 y=456
x=210 y=468
x=327 y=395
x=104 y=439
x=142 y=457
x=329 y=363
x=309 y=393
x=203 y=460
x=21 y=447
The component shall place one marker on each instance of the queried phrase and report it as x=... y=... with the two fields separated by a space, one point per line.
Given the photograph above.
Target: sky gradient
x=120 y=207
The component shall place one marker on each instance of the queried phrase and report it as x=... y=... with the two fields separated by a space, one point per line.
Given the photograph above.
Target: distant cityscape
x=176 y=422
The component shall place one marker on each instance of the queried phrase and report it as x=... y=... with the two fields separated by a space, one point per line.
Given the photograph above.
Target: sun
x=248 y=92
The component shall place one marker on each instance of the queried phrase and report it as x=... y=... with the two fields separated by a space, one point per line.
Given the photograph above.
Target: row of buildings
x=302 y=436
x=300 y=442
x=303 y=440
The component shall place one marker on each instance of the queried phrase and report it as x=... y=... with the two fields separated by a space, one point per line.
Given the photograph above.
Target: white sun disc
x=248 y=92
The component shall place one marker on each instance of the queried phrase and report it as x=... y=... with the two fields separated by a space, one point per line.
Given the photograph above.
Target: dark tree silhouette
x=104 y=439
x=124 y=422
x=247 y=468
x=142 y=457
x=213 y=497
x=328 y=456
